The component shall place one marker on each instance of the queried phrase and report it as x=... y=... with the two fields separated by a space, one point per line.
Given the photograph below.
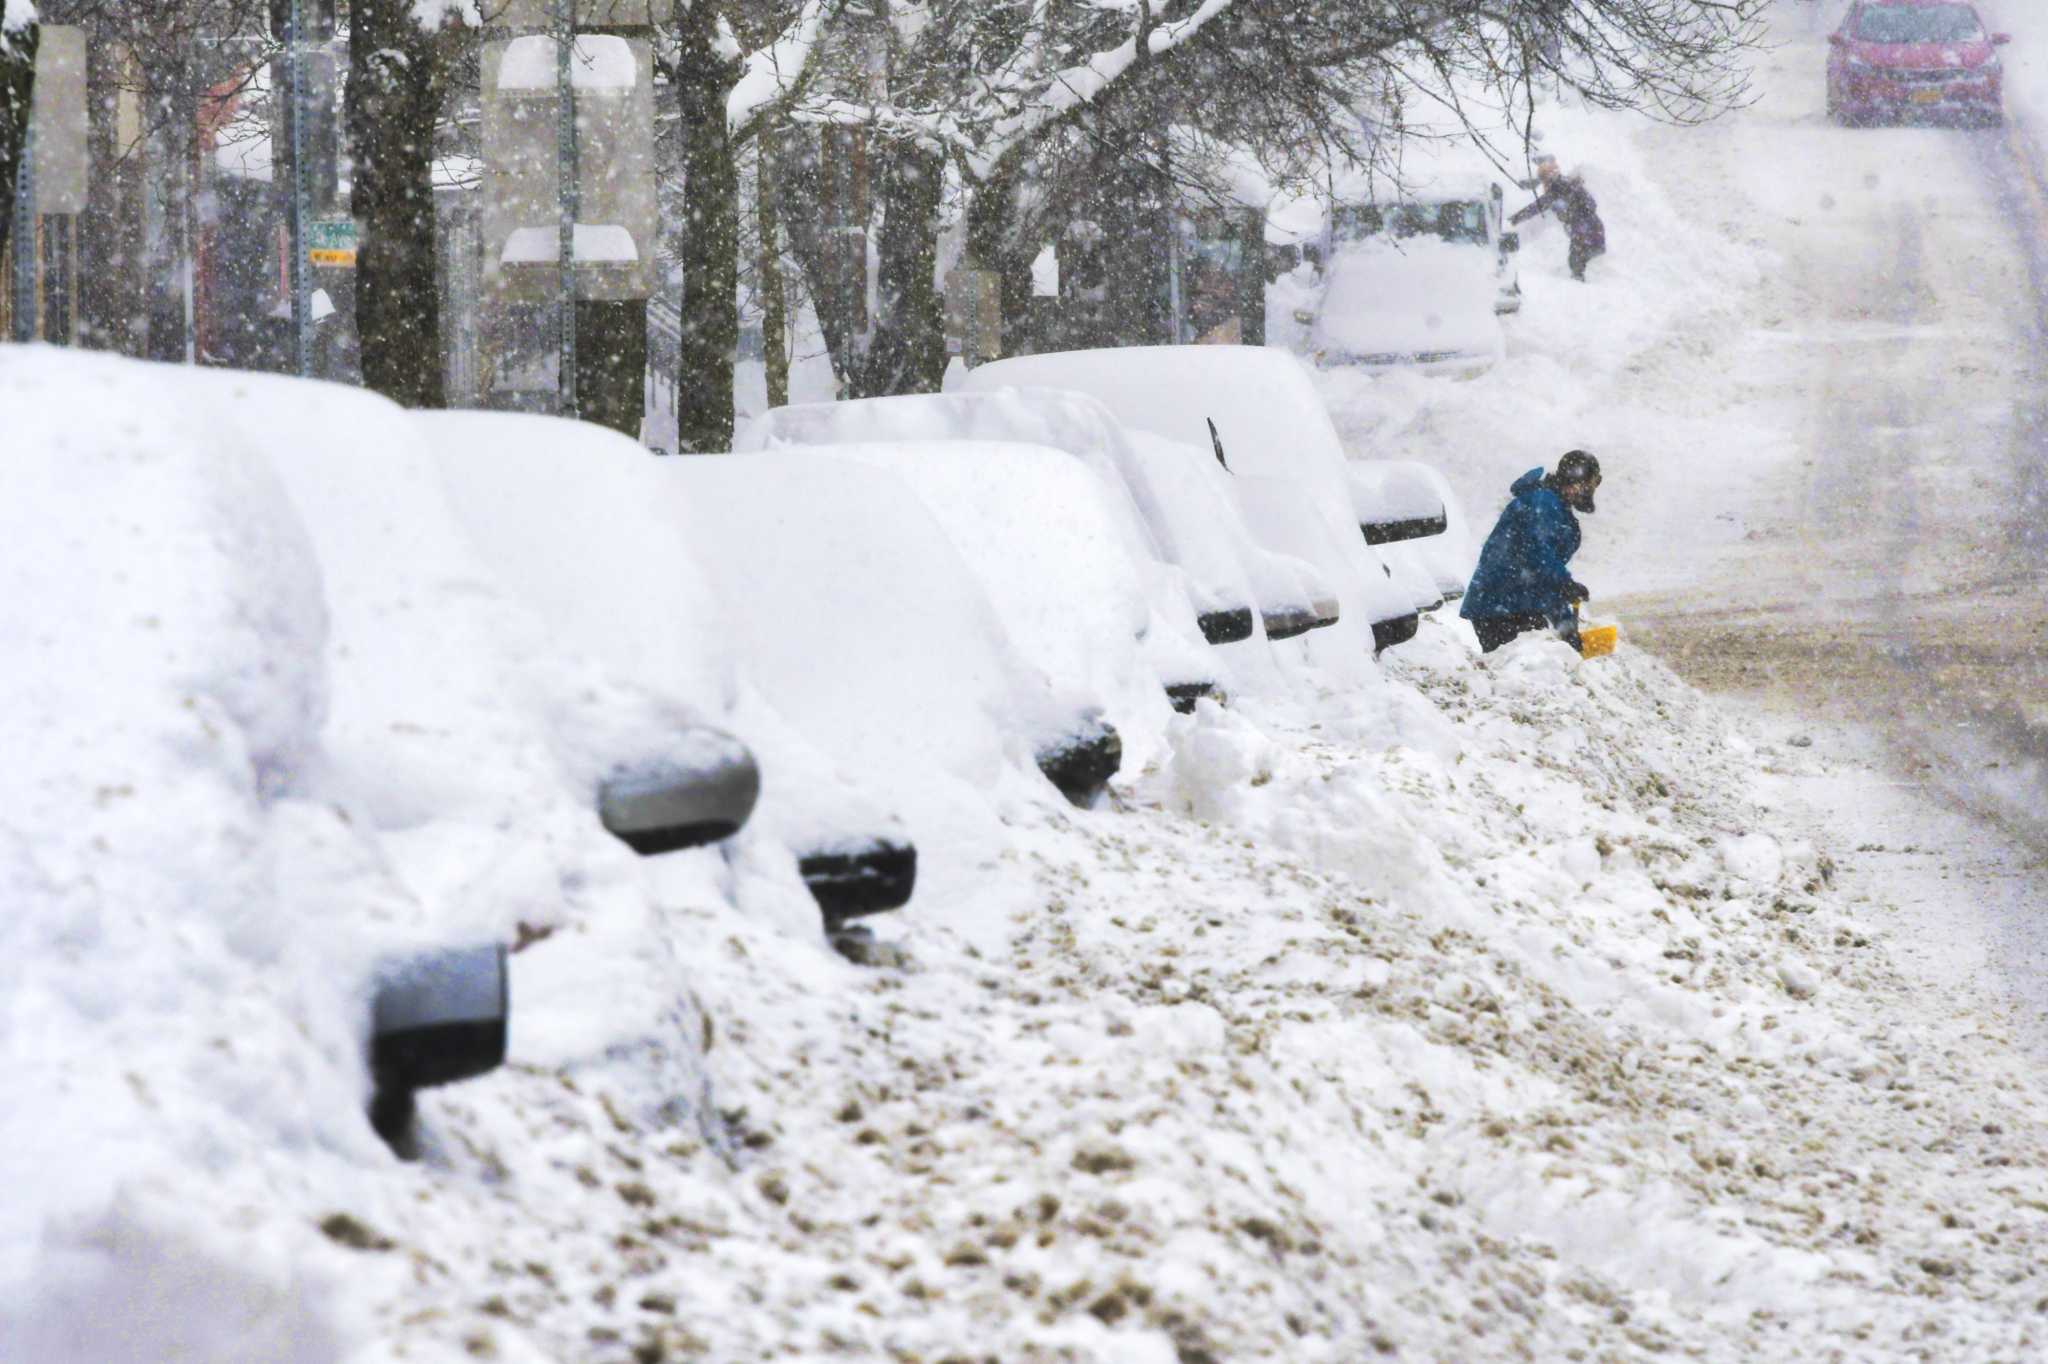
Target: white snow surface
x=1032 y=524
x=594 y=243
x=1486 y=1008
x=1418 y=297
x=1484 y=1012
x=600 y=64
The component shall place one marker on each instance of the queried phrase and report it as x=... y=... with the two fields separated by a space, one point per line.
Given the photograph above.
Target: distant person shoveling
x=1568 y=197
x=1524 y=580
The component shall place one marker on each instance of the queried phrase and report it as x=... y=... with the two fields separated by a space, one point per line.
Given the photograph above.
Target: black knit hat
x=1578 y=467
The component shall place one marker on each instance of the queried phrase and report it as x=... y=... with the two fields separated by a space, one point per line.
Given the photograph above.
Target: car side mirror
x=1406 y=528
x=2000 y=39
x=661 y=807
x=1510 y=242
x=435 y=1019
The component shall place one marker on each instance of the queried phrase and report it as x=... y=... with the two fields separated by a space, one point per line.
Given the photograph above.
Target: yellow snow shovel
x=1596 y=641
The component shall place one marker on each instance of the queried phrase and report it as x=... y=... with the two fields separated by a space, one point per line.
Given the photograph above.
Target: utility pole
x=565 y=197
x=301 y=281
x=23 y=238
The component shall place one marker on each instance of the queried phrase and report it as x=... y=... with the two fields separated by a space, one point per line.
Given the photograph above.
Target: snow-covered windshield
x=1919 y=24
x=1456 y=221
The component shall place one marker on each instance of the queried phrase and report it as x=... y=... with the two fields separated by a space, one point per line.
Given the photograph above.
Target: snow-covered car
x=1255 y=413
x=1414 y=283
x=1171 y=508
x=679 y=782
x=857 y=618
x=1031 y=525
x=1928 y=58
x=570 y=517
x=1094 y=502
x=1207 y=516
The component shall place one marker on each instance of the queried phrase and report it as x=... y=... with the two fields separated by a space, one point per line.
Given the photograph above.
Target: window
x=1355 y=222
x=1919 y=24
x=1450 y=222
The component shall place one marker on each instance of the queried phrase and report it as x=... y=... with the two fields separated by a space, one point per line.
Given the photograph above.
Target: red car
x=1915 y=57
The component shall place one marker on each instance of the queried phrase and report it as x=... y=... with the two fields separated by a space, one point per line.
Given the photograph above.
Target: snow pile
x=1520 y=1035
x=1481 y=1012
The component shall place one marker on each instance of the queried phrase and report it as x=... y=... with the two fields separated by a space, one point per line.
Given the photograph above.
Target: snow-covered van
x=1414 y=275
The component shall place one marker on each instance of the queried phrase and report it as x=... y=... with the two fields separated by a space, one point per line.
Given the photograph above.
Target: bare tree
x=1041 y=107
x=397 y=80
x=17 y=90
x=706 y=70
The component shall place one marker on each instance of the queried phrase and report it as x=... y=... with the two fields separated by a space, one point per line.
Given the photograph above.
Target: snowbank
x=1481 y=1008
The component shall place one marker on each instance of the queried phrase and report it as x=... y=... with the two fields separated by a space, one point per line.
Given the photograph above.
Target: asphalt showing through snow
x=1896 y=580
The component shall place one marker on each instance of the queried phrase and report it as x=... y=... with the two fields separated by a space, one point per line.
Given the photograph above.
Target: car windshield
x=1919 y=24
x=1451 y=222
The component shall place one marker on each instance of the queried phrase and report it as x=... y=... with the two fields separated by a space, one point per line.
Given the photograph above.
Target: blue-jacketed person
x=1524 y=579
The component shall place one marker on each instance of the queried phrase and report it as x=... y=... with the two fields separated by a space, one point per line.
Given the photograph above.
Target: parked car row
x=1068 y=543
x=845 y=635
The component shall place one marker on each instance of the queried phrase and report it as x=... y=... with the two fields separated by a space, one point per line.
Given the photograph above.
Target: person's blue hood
x=1527 y=483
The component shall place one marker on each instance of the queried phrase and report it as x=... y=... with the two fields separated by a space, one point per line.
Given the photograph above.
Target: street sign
x=332 y=241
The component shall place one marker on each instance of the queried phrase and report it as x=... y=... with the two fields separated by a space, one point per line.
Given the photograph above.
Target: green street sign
x=331 y=234
x=331 y=241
